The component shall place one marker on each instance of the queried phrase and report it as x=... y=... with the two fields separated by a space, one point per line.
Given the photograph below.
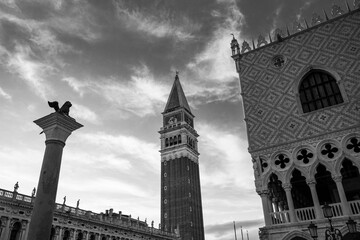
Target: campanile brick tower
x=181 y=206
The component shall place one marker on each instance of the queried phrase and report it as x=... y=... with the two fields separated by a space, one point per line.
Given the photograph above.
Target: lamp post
x=331 y=233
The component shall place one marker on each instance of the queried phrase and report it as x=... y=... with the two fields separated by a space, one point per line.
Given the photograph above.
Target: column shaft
x=42 y=215
x=290 y=203
x=315 y=198
x=264 y=200
x=344 y=202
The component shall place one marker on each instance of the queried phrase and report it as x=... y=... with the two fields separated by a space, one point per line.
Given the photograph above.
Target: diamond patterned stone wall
x=270 y=77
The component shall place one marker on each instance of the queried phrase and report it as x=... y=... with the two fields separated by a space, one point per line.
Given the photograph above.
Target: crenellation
x=297 y=27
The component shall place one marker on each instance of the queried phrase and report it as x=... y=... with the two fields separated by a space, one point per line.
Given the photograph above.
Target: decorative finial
x=232 y=35
x=78 y=203
x=64 y=200
x=16 y=186
x=33 y=192
x=64 y=110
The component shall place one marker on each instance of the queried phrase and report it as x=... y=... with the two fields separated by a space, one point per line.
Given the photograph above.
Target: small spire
x=176 y=75
x=270 y=38
x=287 y=30
x=306 y=24
x=347 y=6
x=326 y=16
x=253 y=43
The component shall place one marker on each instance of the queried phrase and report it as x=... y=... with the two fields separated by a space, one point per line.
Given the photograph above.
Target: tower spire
x=177 y=97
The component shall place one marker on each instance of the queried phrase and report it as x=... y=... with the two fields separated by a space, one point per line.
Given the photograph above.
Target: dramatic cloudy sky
x=116 y=61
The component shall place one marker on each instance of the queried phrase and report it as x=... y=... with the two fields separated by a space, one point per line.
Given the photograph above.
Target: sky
x=116 y=62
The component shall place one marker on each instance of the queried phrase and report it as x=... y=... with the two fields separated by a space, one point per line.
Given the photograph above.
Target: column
x=264 y=199
x=24 y=229
x=312 y=185
x=57 y=128
x=5 y=225
x=344 y=202
x=287 y=188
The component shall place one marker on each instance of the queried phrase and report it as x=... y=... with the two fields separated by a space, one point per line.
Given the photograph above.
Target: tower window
x=319 y=89
x=179 y=139
x=166 y=142
x=171 y=141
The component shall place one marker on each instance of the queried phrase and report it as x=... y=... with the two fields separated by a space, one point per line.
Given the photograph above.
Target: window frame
x=305 y=73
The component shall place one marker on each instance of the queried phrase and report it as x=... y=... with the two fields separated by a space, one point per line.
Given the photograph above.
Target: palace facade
x=301 y=97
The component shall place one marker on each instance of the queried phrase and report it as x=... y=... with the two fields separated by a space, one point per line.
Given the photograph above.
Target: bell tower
x=181 y=206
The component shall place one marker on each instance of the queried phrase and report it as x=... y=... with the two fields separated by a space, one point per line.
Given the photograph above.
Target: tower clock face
x=173 y=119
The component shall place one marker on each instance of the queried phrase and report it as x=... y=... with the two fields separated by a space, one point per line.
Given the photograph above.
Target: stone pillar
x=57 y=127
x=24 y=229
x=4 y=227
x=312 y=185
x=287 y=188
x=340 y=188
x=264 y=199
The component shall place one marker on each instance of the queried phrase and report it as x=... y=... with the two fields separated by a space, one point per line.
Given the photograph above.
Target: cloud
x=160 y=23
x=141 y=95
x=124 y=147
x=81 y=112
x=33 y=72
x=5 y=94
x=227 y=154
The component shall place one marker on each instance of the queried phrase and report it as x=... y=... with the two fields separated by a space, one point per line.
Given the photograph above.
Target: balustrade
x=355 y=207
x=336 y=209
x=305 y=214
x=280 y=217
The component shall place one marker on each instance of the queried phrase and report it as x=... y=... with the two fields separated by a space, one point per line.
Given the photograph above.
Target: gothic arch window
x=166 y=142
x=175 y=140
x=66 y=235
x=15 y=231
x=318 y=89
x=179 y=139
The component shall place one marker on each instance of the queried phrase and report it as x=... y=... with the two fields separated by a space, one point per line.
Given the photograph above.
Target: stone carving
x=33 y=192
x=329 y=150
x=278 y=34
x=281 y=161
x=297 y=27
x=16 y=186
x=261 y=40
x=64 y=110
x=336 y=10
x=357 y=3
x=245 y=46
x=316 y=19
x=305 y=156
x=354 y=145
x=64 y=200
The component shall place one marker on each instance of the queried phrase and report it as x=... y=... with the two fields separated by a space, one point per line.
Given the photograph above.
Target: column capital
x=337 y=178
x=57 y=126
x=287 y=186
x=311 y=182
x=263 y=192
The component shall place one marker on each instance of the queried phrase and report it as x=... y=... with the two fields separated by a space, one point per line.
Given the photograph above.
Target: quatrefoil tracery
x=282 y=160
x=329 y=150
x=304 y=156
x=354 y=145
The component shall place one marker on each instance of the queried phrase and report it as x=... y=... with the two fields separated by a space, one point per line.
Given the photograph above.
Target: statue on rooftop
x=16 y=186
x=64 y=110
x=33 y=192
x=77 y=203
x=64 y=200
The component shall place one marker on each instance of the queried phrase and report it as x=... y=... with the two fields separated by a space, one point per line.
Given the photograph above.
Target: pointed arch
x=296 y=233
x=338 y=164
x=267 y=176
x=316 y=164
x=290 y=171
